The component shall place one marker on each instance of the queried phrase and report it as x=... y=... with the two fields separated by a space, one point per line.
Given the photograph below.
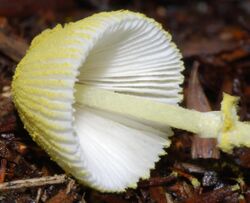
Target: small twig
x=39 y=194
x=193 y=180
x=33 y=182
x=62 y=196
x=3 y=170
x=158 y=194
x=157 y=181
x=70 y=186
x=83 y=199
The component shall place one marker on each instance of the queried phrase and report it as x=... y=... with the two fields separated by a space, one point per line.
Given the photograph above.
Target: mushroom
x=100 y=94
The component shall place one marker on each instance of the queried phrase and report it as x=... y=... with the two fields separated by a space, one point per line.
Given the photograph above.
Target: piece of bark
x=3 y=170
x=157 y=181
x=106 y=198
x=158 y=194
x=218 y=195
x=204 y=148
x=8 y=124
x=181 y=190
x=14 y=48
x=62 y=196
x=29 y=7
x=242 y=156
x=198 y=47
x=189 y=167
x=196 y=99
x=235 y=54
x=156 y=190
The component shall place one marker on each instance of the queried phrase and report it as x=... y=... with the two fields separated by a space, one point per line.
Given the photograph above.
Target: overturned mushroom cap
x=119 y=51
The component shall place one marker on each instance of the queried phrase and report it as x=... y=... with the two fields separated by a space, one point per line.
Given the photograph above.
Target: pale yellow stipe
x=222 y=125
x=172 y=115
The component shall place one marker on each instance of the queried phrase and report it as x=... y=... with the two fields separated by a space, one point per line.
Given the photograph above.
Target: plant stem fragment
x=33 y=182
